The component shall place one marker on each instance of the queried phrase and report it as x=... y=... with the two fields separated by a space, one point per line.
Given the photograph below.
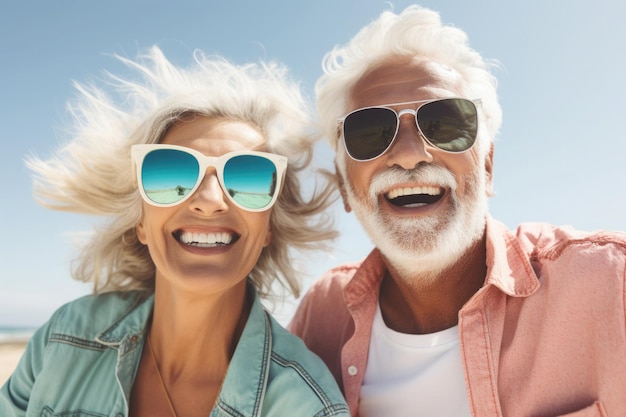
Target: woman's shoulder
x=103 y=305
x=93 y=313
x=298 y=370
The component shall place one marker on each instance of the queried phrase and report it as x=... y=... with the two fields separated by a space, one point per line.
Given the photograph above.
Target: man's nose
x=409 y=148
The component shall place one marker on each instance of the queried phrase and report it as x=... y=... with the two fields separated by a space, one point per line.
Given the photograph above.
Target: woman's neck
x=196 y=335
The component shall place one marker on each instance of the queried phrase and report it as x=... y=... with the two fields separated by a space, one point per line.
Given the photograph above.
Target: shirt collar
x=508 y=267
x=508 y=264
x=246 y=380
x=367 y=278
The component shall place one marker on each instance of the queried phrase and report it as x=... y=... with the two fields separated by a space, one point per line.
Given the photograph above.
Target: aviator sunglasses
x=168 y=175
x=449 y=124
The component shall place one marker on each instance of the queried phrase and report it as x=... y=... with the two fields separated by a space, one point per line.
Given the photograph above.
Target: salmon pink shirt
x=545 y=336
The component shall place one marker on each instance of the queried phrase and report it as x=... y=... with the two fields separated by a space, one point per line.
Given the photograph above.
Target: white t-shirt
x=413 y=375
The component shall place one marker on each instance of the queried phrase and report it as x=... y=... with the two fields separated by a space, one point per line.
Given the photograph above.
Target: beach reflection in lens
x=168 y=175
x=250 y=180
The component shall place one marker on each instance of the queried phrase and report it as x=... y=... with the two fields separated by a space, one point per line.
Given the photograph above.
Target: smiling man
x=452 y=314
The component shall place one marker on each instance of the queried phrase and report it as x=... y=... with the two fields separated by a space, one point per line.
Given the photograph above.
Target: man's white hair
x=415 y=32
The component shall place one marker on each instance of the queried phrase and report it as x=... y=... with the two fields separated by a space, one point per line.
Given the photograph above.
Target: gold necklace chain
x=156 y=365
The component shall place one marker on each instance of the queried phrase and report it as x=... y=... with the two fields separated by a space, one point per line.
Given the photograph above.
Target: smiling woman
x=200 y=179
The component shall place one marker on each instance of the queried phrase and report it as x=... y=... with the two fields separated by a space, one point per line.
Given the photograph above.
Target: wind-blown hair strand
x=93 y=173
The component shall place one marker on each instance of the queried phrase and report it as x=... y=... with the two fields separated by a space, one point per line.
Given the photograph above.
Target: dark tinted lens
x=250 y=180
x=168 y=175
x=369 y=132
x=449 y=124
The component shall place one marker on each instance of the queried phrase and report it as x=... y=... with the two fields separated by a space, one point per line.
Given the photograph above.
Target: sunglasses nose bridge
x=415 y=125
x=211 y=180
x=406 y=111
x=210 y=192
x=413 y=144
x=412 y=123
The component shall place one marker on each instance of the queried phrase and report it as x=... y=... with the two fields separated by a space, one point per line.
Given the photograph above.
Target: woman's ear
x=268 y=236
x=141 y=232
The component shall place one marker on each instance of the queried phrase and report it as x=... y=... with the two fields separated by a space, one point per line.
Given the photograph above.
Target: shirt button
x=352 y=370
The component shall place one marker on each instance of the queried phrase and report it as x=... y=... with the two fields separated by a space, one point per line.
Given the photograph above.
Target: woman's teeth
x=205 y=240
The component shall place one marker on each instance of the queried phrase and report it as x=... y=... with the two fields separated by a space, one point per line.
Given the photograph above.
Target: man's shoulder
x=336 y=278
x=324 y=305
x=547 y=240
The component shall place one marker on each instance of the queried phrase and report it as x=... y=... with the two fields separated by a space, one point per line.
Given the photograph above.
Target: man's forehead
x=383 y=81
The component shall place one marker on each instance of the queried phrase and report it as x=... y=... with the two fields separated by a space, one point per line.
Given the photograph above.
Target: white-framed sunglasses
x=167 y=175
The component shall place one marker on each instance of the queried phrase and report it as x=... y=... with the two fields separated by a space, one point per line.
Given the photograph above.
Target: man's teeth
x=206 y=239
x=400 y=192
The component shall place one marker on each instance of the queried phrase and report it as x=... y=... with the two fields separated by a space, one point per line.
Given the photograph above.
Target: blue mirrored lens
x=169 y=175
x=250 y=180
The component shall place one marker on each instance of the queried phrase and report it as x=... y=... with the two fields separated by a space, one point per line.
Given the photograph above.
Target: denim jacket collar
x=246 y=380
x=132 y=323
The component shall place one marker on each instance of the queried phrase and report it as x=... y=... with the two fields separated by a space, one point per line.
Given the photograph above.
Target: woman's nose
x=209 y=198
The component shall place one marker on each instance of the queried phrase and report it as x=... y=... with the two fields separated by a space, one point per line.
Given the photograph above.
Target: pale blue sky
x=559 y=158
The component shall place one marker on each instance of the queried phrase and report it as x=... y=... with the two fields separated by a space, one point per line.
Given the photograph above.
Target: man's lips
x=409 y=197
x=205 y=239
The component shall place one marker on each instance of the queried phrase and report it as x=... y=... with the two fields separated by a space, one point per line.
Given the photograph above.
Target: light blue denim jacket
x=83 y=361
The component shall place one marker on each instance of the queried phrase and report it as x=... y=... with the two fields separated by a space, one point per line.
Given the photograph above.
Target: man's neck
x=430 y=302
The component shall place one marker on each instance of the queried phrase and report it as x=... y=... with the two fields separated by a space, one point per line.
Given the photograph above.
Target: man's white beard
x=425 y=244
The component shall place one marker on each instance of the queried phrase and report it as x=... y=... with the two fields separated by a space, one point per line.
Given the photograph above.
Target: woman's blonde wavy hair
x=93 y=173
